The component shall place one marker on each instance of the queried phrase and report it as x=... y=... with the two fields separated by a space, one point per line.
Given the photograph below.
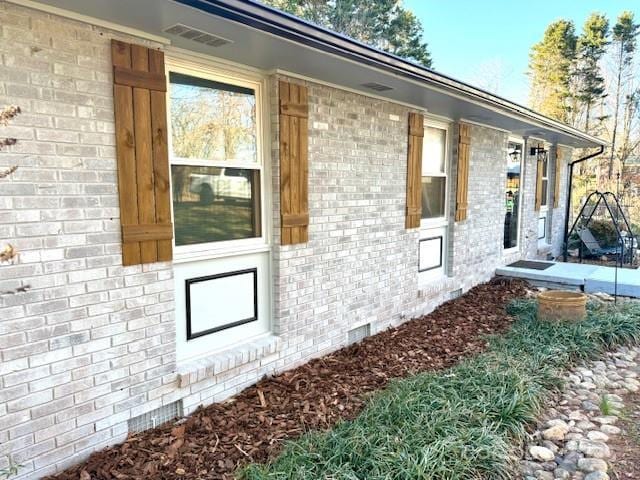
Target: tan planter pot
x=555 y=305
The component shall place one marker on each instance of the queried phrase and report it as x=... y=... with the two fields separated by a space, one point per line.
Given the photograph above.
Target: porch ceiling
x=267 y=40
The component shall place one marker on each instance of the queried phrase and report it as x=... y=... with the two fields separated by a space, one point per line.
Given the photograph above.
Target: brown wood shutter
x=414 y=170
x=556 y=186
x=142 y=153
x=462 y=181
x=294 y=163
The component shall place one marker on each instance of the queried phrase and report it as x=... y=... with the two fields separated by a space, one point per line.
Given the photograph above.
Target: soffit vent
x=378 y=87
x=196 y=35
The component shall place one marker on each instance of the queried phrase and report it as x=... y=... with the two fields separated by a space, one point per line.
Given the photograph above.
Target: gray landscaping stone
x=598 y=436
x=541 y=453
x=610 y=429
x=597 y=476
x=592 y=465
x=594 y=449
x=574 y=427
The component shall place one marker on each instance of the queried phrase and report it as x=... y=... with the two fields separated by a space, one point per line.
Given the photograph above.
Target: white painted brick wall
x=84 y=344
x=92 y=343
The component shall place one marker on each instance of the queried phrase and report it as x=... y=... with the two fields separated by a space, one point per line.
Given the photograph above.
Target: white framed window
x=543 y=214
x=435 y=190
x=513 y=194
x=434 y=173
x=216 y=154
x=544 y=197
x=218 y=122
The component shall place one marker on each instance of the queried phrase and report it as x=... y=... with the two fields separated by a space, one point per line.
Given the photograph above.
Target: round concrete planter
x=562 y=306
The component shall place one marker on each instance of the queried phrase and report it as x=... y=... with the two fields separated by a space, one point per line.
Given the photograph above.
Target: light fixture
x=539 y=151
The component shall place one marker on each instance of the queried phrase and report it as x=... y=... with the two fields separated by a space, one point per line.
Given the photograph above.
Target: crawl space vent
x=196 y=35
x=156 y=417
x=378 y=87
x=358 y=333
x=455 y=294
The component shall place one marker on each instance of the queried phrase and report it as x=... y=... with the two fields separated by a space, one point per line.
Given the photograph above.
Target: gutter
x=287 y=26
x=565 y=244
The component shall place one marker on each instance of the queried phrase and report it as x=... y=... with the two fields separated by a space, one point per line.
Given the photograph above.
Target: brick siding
x=91 y=344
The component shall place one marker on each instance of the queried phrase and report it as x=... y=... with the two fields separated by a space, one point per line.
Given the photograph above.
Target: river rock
x=592 y=465
x=542 y=454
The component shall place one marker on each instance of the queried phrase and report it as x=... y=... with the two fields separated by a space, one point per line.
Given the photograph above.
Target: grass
x=606 y=407
x=462 y=423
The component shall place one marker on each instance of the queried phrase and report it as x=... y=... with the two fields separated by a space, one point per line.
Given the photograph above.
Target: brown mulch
x=626 y=447
x=251 y=427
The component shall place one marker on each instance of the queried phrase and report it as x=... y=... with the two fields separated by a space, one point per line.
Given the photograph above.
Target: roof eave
x=279 y=23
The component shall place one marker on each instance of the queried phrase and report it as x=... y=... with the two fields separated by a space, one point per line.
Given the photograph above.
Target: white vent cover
x=156 y=417
x=196 y=35
x=358 y=333
x=378 y=87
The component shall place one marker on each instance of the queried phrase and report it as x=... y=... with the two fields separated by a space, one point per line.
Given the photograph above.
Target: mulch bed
x=215 y=441
x=626 y=447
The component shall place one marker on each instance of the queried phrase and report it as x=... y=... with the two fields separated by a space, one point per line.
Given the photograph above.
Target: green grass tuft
x=462 y=423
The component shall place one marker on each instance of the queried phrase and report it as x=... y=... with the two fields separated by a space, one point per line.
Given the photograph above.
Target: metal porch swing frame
x=602 y=197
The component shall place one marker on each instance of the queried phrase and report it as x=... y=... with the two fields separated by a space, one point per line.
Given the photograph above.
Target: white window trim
x=440 y=226
x=222 y=72
x=544 y=209
x=520 y=141
x=428 y=223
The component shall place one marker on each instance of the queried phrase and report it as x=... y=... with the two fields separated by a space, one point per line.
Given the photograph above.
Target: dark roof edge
x=288 y=26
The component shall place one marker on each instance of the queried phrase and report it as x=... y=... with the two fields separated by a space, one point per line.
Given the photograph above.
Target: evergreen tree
x=550 y=68
x=383 y=24
x=625 y=33
x=590 y=84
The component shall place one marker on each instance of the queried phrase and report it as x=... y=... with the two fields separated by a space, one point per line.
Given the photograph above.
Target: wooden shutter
x=414 y=170
x=462 y=183
x=141 y=149
x=294 y=163
x=556 y=186
x=539 y=166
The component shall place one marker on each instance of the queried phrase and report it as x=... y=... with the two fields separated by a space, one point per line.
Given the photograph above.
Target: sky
x=487 y=42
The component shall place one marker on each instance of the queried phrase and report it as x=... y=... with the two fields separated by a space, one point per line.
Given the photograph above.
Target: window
x=545 y=182
x=215 y=166
x=433 y=227
x=434 y=172
x=512 y=195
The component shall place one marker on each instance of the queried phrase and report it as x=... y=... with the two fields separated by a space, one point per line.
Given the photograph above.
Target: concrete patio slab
x=590 y=278
x=572 y=274
x=603 y=280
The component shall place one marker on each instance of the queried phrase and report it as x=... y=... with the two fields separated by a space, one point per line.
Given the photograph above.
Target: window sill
x=435 y=285
x=193 y=371
x=185 y=257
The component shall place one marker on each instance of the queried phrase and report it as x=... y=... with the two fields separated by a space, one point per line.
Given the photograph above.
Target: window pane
x=545 y=185
x=212 y=204
x=433 y=196
x=512 y=195
x=544 y=168
x=433 y=150
x=212 y=120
